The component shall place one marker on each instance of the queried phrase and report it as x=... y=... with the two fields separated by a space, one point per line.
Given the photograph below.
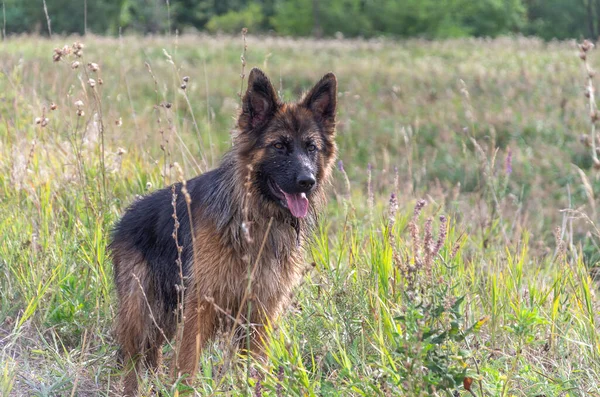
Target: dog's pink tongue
x=297 y=203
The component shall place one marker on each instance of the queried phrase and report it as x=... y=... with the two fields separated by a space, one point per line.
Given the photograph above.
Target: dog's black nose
x=305 y=181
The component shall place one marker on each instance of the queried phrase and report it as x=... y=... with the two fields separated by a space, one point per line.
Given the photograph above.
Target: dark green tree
x=561 y=19
x=314 y=17
x=449 y=18
x=433 y=19
x=66 y=16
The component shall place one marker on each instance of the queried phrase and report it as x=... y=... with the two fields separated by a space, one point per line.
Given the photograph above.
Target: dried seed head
x=38 y=120
x=75 y=65
x=179 y=171
x=560 y=244
x=80 y=113
x=148 y=185
x=585 y=139
x=93 y=66
x=78 y=104
x=77 y=49
x=53 y=106
x=45 y=121
x=186 y=79
x=92 y=83
x=183 y=86
x=121 y=151
x=100 y=81
x=168 y=105
x=455 y=249
x=582 y=55
x=586 y=46
x=60 y=52
x=119 y=122
x=246 y=232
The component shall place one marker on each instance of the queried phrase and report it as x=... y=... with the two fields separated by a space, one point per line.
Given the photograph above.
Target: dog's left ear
x=322 y=99
x=259 y=103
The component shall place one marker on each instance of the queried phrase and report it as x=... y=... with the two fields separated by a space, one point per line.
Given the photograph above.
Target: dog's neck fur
x=232 y=205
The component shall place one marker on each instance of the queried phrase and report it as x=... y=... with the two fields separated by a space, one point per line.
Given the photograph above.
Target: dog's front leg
x=199 y=326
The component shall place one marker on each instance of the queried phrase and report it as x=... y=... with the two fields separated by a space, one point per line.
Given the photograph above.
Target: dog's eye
x=311 y=148
x=278 y=146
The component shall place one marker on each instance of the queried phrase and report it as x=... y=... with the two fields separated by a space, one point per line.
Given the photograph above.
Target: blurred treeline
x=366 y=18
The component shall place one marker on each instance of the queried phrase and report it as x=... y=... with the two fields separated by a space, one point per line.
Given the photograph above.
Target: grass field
x=490 y=133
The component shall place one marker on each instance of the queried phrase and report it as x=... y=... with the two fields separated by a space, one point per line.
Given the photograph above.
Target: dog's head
x=290 y=146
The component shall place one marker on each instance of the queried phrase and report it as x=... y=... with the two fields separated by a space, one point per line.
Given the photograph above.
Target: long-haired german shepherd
x=270 y=181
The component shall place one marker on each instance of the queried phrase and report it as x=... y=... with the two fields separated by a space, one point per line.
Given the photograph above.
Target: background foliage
x=366 y=18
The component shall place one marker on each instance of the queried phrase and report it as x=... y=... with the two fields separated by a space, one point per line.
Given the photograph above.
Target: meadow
x=456 y=256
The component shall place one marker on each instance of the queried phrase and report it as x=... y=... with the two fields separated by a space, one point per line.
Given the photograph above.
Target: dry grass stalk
x=585 y=48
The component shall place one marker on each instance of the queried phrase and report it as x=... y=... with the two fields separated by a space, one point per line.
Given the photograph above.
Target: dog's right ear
x=259 y=103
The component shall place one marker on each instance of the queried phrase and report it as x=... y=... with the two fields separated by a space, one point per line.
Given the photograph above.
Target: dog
x=185 y=256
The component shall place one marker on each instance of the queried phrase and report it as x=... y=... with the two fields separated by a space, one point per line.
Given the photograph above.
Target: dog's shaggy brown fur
x=274 y=175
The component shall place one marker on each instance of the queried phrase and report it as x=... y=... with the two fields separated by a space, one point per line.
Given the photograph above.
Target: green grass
x=505 y=303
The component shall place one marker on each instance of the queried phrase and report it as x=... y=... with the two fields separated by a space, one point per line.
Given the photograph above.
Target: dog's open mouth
x=297 y=203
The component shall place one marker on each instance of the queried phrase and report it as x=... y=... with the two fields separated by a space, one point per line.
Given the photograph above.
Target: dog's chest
x=269 y=266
